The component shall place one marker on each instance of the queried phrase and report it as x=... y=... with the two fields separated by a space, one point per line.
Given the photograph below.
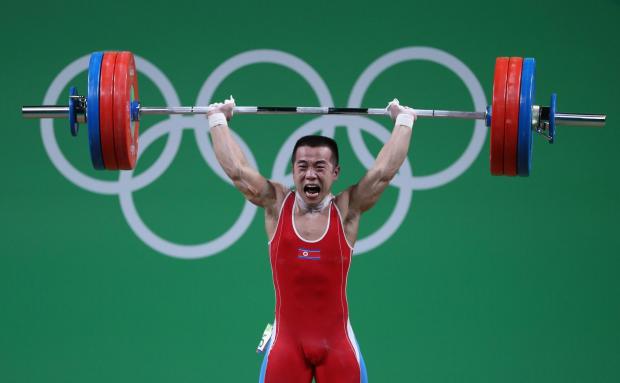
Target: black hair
x=315 y=141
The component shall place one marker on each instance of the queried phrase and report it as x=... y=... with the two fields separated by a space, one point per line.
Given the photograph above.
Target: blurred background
x=162 y=274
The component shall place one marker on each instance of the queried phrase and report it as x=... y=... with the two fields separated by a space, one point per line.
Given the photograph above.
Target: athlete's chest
x=311 y=227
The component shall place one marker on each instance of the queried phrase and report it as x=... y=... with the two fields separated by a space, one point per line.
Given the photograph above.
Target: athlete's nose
x=310 y=174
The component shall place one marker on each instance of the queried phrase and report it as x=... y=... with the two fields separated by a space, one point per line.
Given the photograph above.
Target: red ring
x=511 y=125
x=125 y=89
x=106 y=105
x=497 y=116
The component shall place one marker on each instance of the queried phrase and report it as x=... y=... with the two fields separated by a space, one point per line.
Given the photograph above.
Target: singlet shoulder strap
x=290 y=196
x=339 y=221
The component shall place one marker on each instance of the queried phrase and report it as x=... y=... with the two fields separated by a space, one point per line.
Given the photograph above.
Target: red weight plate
x=511 y=122
x=106 y=115
x=497 y=116
x=125 y=91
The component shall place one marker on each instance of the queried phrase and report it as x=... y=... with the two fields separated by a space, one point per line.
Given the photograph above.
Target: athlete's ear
x=336 y=172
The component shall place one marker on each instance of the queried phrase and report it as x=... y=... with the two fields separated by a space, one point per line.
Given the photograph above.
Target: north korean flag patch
x=308 y=254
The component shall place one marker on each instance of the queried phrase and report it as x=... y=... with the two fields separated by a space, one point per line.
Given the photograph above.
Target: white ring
x=265 y=56
x=463 y=72
x=162 y=245
x=60 y=161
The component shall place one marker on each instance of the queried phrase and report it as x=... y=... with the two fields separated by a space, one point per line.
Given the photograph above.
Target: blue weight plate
x=73 y=124
x=552 y=108
x=92 y=113
x=528 y=88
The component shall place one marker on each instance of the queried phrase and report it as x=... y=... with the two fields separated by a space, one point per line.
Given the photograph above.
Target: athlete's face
x=314 y=172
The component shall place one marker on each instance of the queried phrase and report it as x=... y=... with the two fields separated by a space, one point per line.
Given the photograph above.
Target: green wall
x=486 y=279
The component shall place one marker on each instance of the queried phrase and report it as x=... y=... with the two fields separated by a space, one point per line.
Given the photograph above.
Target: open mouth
x=312 y=191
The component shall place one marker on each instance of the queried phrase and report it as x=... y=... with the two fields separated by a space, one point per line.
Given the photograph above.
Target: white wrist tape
x=405 y=119
x=217 y=119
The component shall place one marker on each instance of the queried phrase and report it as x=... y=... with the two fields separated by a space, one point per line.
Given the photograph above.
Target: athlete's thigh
x=285 y=364
x=340 y=366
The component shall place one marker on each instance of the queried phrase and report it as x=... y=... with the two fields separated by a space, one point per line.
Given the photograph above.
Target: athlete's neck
x=312 y=208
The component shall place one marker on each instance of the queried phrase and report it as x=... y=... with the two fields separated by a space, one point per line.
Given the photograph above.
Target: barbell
x=112 y=112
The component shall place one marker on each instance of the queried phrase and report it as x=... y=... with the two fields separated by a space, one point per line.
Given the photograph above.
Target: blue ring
x=526 y=101
x=92 y=113
x=73 y=124
x=552 y=108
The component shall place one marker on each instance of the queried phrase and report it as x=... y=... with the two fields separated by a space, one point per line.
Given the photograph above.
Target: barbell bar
x=565 y=119
x=112 y=112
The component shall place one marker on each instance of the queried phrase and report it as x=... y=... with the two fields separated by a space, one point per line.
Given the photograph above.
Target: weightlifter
x=311 y=236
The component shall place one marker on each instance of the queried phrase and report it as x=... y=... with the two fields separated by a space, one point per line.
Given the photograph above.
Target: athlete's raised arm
x=363 y=195
x=256 y=188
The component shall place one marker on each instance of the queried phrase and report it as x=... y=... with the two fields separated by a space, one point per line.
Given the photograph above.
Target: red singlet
x=312 y=335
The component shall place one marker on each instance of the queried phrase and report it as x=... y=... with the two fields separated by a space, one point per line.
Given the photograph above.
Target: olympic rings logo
x=128 y=183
